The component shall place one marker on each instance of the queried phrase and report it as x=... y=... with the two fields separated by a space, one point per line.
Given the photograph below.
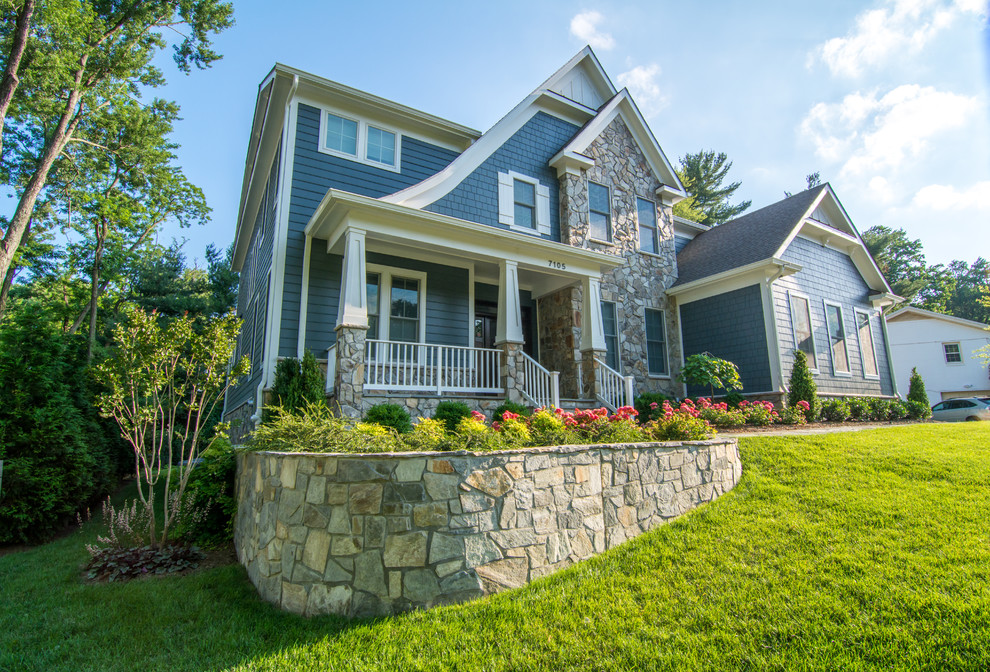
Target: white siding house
x=943 y=349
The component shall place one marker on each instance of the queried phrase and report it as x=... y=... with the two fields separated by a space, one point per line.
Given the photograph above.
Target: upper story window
x=523 y=203
x=837 y=338
x=804 y=335
x=953 y=355
x=599 y=212
x=867 y=349
x=646 y=213
x=359 y=141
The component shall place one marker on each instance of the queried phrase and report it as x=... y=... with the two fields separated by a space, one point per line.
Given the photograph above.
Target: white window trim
x=862 y=352
x=507 y=203
x=385 y=274
x=362 y=141
x=958 y=344
x=814 y=342
x=611 y=217
x=639 y=228
x=845 y=340
x=666 y=353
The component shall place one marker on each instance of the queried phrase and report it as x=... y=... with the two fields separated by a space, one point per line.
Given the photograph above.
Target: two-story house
x=538 y=262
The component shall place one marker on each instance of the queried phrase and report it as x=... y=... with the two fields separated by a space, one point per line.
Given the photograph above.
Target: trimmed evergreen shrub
x=296 y=384
x=734 y=398
x=643 y=403
x=859 y=408
x=451 y=412
x=916 y=389
x=918 y=411
x=835 y=410
x=390 y=415
x=513 y=407
x=802 y=387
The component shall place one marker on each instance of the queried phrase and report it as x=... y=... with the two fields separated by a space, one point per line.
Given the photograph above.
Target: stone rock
x=410 y=469
x=335 y=573
x=448 y=568
x=366 y=498
x=480 y=550
x=473 y=502
x=288 y=474
x=406 y=550
x=445 y=546
x=581 y=545
x=441 y=467
x=340 y=521
x=293 y=598
x=337 y=494
x=494 y=482
x=441 y=486
x=313 y=516
x=316 y=549
x=316 y=490
x=545 y=478
x=514 y=538
x=345 y=546
x=690 y=475
x=502 y=574
x=461 y=582
x=374 y=532
x=329 y=600
x=356 y=470
x=420 y=585
x=430 y=515
x=405 y=492
x=369 y=575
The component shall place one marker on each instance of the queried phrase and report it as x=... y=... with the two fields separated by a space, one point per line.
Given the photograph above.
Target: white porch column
x=592 y=329
x=509 y=325
x=353 y=308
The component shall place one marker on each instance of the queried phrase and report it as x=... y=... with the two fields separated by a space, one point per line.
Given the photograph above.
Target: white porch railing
x=421 y=367
x=616 y=389
x=540 y=385
x=331 y=367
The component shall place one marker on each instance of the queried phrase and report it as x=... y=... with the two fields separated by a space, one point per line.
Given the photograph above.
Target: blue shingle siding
x=680 y=242
x=313 y=174
x=730 y=326
x=528 y=151
x=828 y=274
x=324 y=298
x=253 y=289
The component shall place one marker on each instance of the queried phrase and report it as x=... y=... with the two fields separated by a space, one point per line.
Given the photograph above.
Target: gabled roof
x=911 y=313
x=581 y=77
x=765 y=234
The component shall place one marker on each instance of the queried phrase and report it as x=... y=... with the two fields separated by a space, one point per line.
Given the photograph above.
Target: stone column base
x=349 y=375
x=590 y=382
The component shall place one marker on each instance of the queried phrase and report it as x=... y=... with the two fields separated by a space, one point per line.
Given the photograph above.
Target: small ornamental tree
x=916 y=388
x=296 y=385
x=802 y=386
x=164 y=380
x=706 y=370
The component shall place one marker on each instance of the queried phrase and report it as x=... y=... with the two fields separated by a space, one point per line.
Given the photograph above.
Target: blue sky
x=887 y=99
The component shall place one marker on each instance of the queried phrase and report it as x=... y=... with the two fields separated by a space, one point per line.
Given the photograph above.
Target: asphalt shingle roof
x=745 y=240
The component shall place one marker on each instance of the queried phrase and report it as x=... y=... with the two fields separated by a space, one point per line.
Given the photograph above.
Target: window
x=524 y=207
x=373 y=286
x=646 y=213
x=864 y=325
x=837 y=338
x=953 y=355
x=523 y=203
x=656 y=343
x=381 y=146
x=804 y=335
x=403 y=320
x=341 y=134
x=610 y=326
x=600 y=212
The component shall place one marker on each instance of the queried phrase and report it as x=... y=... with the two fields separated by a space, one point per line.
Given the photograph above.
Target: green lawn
x=863 y=550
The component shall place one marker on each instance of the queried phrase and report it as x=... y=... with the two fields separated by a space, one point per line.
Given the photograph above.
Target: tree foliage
x=702 y=174
x=802 y=386
x=916 y=388
x=958 y=289
x=900 y=259
x=297 y=384
x=706 y=370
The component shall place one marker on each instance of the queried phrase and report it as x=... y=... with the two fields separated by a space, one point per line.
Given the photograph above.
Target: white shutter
x=543 y=209
x=506 y=201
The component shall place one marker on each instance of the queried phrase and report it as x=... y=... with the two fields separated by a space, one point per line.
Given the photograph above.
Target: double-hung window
x=381 y=146
x=646 y=214
x=359 y=141
x=804 y=335
x=395 y=304
x=837 y=338
x=656 y=343
x=867 y=349
x=953 y=355
x=524 y=204
x=373 y=288
x=610 y=326
x=403 y=316
x=599 y=212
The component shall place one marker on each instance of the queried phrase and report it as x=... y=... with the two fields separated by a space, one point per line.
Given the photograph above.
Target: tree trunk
x=94 y=292
x=5 y=288
x=10 y=79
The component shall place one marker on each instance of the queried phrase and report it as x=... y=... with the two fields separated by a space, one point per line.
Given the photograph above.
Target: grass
x=863 y=550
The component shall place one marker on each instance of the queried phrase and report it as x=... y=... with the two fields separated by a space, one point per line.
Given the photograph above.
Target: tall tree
x=82 y=61
x=702 y=174
x=900 y=259
x=958 y=289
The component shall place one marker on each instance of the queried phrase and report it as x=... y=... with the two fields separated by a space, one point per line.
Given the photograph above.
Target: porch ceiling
x=544 y=265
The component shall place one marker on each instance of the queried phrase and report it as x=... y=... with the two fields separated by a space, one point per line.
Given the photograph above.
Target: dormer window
x=359 y=140
x=523 y=203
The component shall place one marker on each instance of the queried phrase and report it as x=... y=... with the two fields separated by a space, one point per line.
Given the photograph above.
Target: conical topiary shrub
x=802 y=387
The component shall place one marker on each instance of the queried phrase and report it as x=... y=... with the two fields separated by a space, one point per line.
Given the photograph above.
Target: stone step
x=571 y=404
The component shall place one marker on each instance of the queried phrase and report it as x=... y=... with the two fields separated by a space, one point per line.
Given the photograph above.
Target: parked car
x=968 y=408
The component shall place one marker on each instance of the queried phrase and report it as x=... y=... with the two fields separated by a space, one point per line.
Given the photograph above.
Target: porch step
x=574 y=404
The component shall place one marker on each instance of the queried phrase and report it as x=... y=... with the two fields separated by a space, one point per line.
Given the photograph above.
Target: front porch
x=430 y=307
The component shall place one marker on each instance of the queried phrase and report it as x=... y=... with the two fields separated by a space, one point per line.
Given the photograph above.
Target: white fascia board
x=688 y=227
x=905 y=314
x=341 y=210
x=736 y=278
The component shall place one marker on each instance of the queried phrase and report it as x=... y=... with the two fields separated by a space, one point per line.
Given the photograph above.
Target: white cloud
x=947 y=197
x=870 y=133
x=882 y=191
x=584 y=26
x=642 y=83
x=901 y=26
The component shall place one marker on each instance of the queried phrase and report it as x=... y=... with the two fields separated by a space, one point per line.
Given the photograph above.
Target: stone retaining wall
x=363 y=535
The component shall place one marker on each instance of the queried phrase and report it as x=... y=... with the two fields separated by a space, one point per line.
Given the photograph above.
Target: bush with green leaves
x=296 y=384
x=916 y=388
x=211 y=490
x=734 y=398
x=58 y=454
x=390 y=415
x=859 y=408
x=451 y=413
x=707 y=370
x=649 y=405
x=315 y=429
x=512 y=407
x=802 y=387
x=918 y=411
x=678 y=426
x=835 y=410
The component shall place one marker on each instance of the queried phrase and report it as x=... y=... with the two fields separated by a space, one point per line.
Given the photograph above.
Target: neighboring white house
x=942 y=347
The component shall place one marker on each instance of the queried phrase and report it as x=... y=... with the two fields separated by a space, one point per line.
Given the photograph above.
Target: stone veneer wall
x=642 y=282
x=363 y=535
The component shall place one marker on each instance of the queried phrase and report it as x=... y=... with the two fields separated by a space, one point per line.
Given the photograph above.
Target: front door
x=485 y=326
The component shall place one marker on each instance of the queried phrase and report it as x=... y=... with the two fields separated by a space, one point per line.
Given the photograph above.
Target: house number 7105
x=559 y=265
